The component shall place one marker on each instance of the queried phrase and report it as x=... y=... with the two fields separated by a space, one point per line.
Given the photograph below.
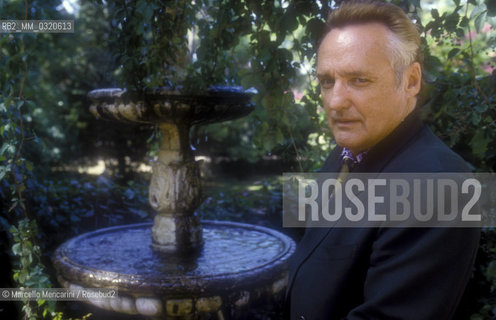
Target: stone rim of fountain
x=97 y=278
x=183 y=296
x=219 y=103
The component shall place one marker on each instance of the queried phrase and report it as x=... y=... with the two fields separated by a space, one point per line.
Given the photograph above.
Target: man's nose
x=337 y=98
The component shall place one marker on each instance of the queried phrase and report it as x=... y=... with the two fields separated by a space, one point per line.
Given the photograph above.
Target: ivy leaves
x=463 y=106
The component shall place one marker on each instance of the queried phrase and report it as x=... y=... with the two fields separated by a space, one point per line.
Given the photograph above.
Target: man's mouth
x=345 y=122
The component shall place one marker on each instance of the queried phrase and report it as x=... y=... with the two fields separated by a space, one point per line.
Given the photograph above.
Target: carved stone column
x=175 y=193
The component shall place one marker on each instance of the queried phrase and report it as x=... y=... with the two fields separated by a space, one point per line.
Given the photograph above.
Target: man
x=369 y=68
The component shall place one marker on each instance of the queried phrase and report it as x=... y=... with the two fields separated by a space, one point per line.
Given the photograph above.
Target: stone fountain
x=178 y=267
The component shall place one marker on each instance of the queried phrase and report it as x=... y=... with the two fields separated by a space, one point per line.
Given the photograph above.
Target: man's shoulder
x=427 y=153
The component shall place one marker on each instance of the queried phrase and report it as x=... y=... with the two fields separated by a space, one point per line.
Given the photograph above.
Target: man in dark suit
x=369 y=68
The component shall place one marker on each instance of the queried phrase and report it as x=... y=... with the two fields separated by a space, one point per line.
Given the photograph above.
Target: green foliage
x=61 y=69
x=80 y=204
x=281 y=43
x=262 y=198
x=15 y=169
x=151 y=36
x=460 y=64
x=485 y=276
x=31 y=272
x=37 y=128
x=462 y=109
x=266 y=45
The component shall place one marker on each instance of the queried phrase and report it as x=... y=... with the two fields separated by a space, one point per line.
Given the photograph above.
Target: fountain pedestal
x=179 y=267
x=175 y=193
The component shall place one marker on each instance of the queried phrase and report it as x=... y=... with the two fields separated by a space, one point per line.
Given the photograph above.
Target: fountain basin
x=166 y=105
x=237 y=265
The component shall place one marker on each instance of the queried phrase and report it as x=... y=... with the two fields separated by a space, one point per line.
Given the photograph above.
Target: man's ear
x=413 y=79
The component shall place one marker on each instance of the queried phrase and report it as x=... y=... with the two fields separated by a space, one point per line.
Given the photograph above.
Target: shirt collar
x=346 y=154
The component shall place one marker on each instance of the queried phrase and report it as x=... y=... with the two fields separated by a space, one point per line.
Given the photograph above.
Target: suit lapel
x=376 y=160
x=313 y=236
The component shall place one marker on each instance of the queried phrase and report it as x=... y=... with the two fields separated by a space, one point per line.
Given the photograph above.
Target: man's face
x=361 y=96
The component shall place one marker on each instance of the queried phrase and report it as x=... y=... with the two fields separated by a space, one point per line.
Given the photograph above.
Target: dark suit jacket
x=385 y=273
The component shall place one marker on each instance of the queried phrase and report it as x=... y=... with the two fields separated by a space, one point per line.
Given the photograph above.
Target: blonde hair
x=404 y=45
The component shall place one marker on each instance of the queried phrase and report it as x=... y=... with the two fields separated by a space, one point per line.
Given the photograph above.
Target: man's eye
x=360 y=81
x=326 y=83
